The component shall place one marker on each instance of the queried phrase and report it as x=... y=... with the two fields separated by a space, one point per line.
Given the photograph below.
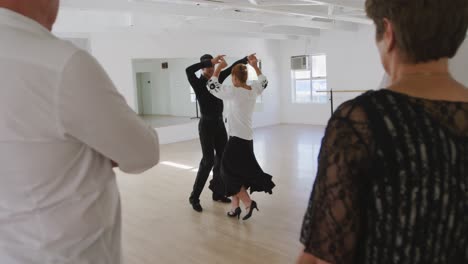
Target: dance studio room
x=233 y=131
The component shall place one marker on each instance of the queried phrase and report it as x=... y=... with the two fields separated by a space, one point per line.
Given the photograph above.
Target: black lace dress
x=392 y=183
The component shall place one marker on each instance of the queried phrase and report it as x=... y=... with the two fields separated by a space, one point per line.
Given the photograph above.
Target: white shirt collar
x=13 y=19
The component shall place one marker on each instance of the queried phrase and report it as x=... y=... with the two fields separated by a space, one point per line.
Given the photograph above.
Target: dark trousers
x=213 y=139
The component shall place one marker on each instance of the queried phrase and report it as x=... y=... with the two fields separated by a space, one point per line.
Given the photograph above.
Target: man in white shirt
x=63 y=127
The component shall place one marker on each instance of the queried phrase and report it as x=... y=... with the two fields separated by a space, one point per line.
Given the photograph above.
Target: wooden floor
x=159 y=225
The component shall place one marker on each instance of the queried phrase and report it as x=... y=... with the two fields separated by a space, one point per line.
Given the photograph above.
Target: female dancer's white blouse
x=241 y=104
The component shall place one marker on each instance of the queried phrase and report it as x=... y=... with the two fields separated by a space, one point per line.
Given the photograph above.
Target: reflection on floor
x=159 y=226
x=165 y=120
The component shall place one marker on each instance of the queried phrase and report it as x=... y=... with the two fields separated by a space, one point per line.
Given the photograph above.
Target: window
x=193 y=97
x=307 y=84
x=252 y=73
x=253 y=77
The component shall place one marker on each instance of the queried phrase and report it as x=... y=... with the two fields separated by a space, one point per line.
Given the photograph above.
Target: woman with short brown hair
x=392 y=183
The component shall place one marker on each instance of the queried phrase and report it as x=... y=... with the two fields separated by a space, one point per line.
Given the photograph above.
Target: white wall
x=115 y=52
x=180 y=102
x=459 y=64
x=352 y=64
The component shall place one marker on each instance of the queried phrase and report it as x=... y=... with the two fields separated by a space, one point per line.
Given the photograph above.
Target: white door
x=145 y=93
x=161 y=93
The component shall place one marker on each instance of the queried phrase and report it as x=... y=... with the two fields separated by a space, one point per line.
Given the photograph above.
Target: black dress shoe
x=235 y=213
x=253 y=206
x=196 y=206
x=222 y=199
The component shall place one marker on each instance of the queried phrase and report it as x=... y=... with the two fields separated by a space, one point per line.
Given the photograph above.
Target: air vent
x=300 y=62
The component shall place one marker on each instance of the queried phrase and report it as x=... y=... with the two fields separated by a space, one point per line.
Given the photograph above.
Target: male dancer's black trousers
x=213 y=139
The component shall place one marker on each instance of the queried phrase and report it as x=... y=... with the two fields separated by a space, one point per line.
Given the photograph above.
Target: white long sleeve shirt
x=61 y=123
x=241 y=104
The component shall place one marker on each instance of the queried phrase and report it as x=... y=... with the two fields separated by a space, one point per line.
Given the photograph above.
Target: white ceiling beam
x=72 y=22
x=196 y=32
x=359 y=4
x=259 y=35
x=296 y=31
x=240 y=27
x=155 y=8
x=283 y=3
x=272 y=8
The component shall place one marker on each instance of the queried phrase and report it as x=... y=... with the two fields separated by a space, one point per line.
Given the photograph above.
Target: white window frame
x=193 y=96
x=253 y=77
x=313 y=98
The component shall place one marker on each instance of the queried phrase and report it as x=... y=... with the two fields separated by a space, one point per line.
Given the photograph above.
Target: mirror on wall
x=164 y=95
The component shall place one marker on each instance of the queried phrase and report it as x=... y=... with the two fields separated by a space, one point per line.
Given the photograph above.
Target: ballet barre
x=339 y=91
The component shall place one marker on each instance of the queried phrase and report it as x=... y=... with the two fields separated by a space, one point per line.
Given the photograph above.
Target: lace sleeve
x=332 y=222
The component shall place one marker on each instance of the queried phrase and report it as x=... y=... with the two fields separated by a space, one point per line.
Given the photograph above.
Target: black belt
x=212 y=118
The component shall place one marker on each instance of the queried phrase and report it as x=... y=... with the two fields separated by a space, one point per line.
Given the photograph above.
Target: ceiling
x=265 y=18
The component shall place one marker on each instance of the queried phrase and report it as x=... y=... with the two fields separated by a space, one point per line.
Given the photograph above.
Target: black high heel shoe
x=253 y=206
x=236 y=213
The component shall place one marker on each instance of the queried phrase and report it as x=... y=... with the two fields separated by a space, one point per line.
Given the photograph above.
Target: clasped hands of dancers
x=235 y=168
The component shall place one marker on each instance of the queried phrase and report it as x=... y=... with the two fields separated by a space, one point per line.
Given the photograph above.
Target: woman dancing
x=240 y=170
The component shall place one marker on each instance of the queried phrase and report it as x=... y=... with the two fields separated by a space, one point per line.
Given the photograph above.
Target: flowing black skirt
x=239 y=167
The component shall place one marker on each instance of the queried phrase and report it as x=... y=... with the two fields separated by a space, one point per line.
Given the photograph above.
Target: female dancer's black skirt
x=239 y=167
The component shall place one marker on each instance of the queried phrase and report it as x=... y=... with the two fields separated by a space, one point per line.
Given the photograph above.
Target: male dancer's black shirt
x=210 y=106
